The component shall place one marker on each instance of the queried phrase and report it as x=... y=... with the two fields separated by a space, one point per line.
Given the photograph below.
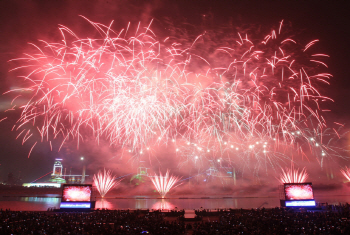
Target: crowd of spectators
x=276 y=221
x=330 y=220
x=95 y=222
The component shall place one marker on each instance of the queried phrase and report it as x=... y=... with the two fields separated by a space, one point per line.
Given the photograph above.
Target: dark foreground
x=329 y=220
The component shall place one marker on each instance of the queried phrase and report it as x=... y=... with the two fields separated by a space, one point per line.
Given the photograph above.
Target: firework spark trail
x=113 y=89
x=137 y=91
x=291 y=175
x=163 y=184
x=105 y=181
x=346 y=173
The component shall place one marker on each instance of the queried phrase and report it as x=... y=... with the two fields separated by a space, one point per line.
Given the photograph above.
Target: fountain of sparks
x=291 y=175
x=105 y=181
x=163 y=184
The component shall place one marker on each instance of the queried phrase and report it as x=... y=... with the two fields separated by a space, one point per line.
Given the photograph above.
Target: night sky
x=27 y=21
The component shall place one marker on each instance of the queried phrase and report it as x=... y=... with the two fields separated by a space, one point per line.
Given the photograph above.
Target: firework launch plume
x=346 y=173
x=229 y=100
x=105 y=181
x=291 y=175
x=163 y=184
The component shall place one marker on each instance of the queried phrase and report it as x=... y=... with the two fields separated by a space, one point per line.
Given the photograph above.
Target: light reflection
x=104 y=204
x=163 y=205
x=43 y=203
x=141 y=203
x=40 y=199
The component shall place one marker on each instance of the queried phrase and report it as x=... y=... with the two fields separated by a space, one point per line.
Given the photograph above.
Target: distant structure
x=83 y=175
x=56 y=175
x=57 y=168
x=212 y=171
x=141 y=176
x=12 y=180
x=142 y=171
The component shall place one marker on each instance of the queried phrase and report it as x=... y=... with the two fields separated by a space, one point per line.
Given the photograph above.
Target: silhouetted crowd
x=277 y=221
x=96 y=222
x=330 y=220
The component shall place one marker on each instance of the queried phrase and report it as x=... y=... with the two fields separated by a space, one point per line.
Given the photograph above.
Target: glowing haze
x=245 y=100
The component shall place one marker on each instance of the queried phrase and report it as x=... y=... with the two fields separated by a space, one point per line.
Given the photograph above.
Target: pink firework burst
x=237 y=97
x=77 y=193
x=295 y=192
x=105 y=181
x=163 y=184
x=346 y=173
x=291 y=175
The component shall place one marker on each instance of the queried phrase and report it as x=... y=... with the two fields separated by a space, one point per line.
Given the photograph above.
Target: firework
x=104 y=182
x=346 y=173
x=291 y=175
x=295 y=192
x=257 y=95
x=163 y=184
x=77 y=193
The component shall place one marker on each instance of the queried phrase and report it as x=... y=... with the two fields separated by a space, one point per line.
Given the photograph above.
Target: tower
x=57 y=168
x=142 y=170
x=57 y=171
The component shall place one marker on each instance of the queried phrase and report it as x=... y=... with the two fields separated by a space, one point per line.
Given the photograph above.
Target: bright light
x=291 y=175
x=104 y=181
x=129 y=89
x=164 y=183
